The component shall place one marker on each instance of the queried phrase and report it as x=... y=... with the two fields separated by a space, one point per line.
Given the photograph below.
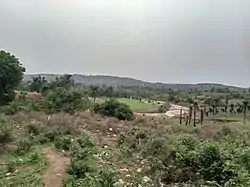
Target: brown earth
x=57 y=170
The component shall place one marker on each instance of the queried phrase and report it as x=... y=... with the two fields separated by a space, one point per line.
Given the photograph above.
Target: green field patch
x=135 y=105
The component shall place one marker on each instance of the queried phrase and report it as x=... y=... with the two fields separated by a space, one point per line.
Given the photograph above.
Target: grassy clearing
x=135 y=105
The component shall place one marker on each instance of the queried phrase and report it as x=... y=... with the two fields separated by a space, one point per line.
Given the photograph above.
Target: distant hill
x=125 y=81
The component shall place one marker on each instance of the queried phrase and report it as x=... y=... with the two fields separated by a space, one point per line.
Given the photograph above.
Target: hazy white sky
x=174 y=41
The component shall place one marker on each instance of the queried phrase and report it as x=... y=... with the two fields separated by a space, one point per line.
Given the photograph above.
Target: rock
x=119 y=183
x=8 y=174
x=124 y=170
x=139 y=170
x=146 y=179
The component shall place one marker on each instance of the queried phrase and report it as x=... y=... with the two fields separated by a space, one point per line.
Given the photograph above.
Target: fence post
x=181 y=116
x=187 y=119
x=202 y=116
x=195 y=110
x=194 y=116
x=190 y=114
x=245 y=114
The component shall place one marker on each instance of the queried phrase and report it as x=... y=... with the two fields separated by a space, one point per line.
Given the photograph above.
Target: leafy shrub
x=104 y=178
x=107 y=177
x=201 y=163
x=11 y=109
x=5 y=133
x=24 y=146
x=85 y=141
x=63 y=142
x=34 y=128
x=79 y=168
x=164 y=107
x=114 y=108
x=64 y=100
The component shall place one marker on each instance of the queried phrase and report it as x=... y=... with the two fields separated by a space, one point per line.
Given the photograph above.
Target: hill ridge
x=127 y=81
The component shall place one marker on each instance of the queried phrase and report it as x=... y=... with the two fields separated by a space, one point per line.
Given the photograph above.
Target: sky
x=171 y=41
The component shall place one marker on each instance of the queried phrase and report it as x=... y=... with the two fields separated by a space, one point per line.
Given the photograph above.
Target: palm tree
x=245 y=105
x=37 y=83
x=195 y=110
x=93 y=91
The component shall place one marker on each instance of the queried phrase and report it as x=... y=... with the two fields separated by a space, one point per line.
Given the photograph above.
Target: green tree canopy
x=11 y=74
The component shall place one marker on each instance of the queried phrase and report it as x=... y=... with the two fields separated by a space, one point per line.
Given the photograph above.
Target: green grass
x=135 y=105
x=22 y=170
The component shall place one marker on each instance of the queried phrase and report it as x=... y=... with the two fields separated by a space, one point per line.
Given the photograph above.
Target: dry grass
x=106 y=132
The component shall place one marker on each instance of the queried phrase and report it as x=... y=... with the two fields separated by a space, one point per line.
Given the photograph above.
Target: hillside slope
x=125 y=81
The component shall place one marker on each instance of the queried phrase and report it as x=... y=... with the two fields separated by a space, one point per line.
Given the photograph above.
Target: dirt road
x=174 y=111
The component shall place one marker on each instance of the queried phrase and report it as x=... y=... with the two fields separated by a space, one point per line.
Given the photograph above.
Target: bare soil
x=56 y=173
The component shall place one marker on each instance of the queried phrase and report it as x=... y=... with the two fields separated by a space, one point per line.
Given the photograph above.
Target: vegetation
x=65 y=100
x=59 y=137
x=11 y=74
x=114 y=108
x=134 y=104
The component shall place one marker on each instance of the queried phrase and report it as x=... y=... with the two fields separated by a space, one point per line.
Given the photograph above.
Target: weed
x=5 y=132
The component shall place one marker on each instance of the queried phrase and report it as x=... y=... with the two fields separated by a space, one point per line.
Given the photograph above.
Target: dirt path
x=174 y=111
x=56 y=172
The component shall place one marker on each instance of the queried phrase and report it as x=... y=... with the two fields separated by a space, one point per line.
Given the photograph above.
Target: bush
x=63 y=142
x=11 y=109
x=80 y=168
x=68 y=101
x=5 y=133
x=164 y=108
x=189 y=160
x=114 y=108
x=34 y=128
x=24 y=146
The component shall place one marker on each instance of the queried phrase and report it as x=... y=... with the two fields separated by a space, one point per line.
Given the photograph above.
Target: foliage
x=114 y=108
x=5 y=132
x=37 y=84
x=64 y=81
x=63 y=142
x=11 y=74
x=64 y=100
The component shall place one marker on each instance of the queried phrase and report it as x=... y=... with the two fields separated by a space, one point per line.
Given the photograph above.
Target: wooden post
x=190 y=114
x=202 y=116
x=187 y=119
x=181 y=116
x=245 y=114
x=205 y=110
x=195 y=116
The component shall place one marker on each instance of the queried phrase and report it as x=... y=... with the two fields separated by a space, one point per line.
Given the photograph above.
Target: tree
x=114 y=108
x=94 y=91
x=65 y=100
x=64 y=81
x=37 y=84
x=231 y=108
x=109 y=92
x=245 y=106
x=11 y=74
